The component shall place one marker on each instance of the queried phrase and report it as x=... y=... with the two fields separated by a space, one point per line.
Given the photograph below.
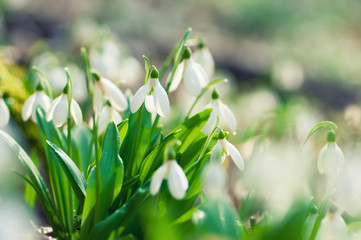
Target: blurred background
x=290 y=64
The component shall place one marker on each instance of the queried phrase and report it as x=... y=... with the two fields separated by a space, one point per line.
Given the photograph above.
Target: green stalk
x=136 y=139
x=97 y=168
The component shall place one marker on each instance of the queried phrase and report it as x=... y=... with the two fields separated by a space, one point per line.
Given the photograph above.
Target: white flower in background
x=223 y=112
x=223 y=148
x=154 y=96
x=39 y=98
x=194 y=76
x=106 y=89
x=204 y=57
x=214 y=180
x=107 y=114
x=332 y=227
x=58 y=110
x=4 y=113
x=331 y=160
x=177 y=180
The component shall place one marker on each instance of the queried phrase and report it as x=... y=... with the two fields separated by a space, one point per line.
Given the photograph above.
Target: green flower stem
x=133 y=167
x=97 y=168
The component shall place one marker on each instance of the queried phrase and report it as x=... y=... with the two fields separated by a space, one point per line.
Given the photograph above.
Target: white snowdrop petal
x=50 y=112
x=139 y=97
x=114 y=95
x=61 y=111
x=98 y=99
x=177 y=77
x=161 y=100
x=227 y=116
x=320 y=160
x=191 y=80
x=216 y=154
x=76 y=112
x=204 y=57
x=208 y=127
x=177 y=181
x=149 y=104
x=157 y=179
x=201 y=74
x=4 y=113
x=104 y=120
x=27 y=107
x=115 y=115
x=235 y=155
x=41 y=100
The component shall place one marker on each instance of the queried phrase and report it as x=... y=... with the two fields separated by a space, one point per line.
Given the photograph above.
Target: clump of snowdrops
x=115 y=173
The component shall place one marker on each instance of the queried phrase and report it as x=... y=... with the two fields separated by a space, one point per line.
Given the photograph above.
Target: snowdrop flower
x=226 y=117
x=177 y=180
x=107 y=114
x=194 y=76
x=30 y=105
x=4 y=113
x=106 y=89
x=331 y=159
x=154 y=96
x=58 y=110
x=204 y=57
x=223 y=148
x=332 y=226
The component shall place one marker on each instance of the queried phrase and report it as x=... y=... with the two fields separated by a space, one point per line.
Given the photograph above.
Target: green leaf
x=37 y=182
x=123 y=129
x=318 y=126
x=73 y=173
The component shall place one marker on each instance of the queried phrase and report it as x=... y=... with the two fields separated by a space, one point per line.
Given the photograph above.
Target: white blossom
x=331 y=160
x=106 y=89
x=4 y=113
x=39 y=98
x=332 y=227
x=222 y=149
x=204 y=57
x=107 y=114
x=177 y=180
x=194 y=76
x=155 y=97
x=58 y=111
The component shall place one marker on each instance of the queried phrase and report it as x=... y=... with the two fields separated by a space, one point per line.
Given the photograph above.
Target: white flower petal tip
x=177 y=180
x=114 y=95
x=204 y=57
x=58 y=111
x=39 y=98
x=4 y=113
x=224 y=148
x=225 y=115
x=155 y=98
x=331 y=160
x=107 y=114
x=194 y=78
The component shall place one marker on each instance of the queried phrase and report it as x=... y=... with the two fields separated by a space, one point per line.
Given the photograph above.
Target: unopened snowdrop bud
x=153 y=94
x=4 y=113
x=224 y=148
x=106 y=89
x=223 y=112
x=214 y=180
x=194 y=76
x=177 y=180
x=39 y=98
x=58 y=110
x=332 y=226
x=204 y=57
x=331 y=159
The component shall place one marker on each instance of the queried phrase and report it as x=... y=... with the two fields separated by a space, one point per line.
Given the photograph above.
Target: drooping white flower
x=4 y=113
x=177 y=180
x=107 y=114
x=58 y=110
x=36 y=99
x=223 y=148
x=223 y=112
x=332 y=227
x=106 y=89
x=194 y=76
x=331 y=160
x=204 y=57
x=154 y=96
